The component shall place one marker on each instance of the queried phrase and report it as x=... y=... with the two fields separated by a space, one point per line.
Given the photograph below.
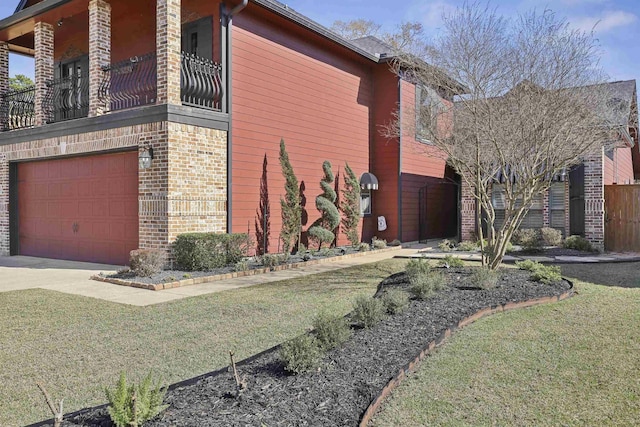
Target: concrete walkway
x=434 y=253
x=19 y=273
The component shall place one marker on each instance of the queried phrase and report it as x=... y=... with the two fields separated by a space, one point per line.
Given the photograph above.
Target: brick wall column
x=43 y=36
x=567 y=207
x=99 y=51
x=594 y=200
x=546 y=213
x=4 y=205
x=168 y=47
x=467 y=213
x=4 y=67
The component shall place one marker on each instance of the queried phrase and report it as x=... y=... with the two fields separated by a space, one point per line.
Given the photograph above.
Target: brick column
x=594 y=200
x=567 y=209
x=168 y=47
x=467 y=213
x=99 y=51
x=43 y=36
x=4 y=205
x=546 y=214
x=4 y=67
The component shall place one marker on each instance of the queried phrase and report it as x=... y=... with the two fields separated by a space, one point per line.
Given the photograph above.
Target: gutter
x=31 y=12
x=227 y=24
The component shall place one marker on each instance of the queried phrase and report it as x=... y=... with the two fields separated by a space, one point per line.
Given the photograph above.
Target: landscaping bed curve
x=352 y=380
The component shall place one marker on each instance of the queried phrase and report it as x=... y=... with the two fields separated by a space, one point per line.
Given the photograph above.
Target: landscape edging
x=224 y=276
x=412 y=366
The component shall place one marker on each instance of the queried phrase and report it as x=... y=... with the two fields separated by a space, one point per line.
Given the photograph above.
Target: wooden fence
x=622 y=218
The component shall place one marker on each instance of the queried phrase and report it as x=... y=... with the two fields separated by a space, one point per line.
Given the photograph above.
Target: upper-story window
x=428 y=107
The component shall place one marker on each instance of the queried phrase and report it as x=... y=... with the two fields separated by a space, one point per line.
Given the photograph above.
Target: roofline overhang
x=30 y=12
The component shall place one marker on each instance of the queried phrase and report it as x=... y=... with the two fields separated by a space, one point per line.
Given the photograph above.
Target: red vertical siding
x=620 y=169
x=291 y=85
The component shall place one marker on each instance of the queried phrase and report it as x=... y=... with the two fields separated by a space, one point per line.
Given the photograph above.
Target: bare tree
x=356 y=28
x=522 y=103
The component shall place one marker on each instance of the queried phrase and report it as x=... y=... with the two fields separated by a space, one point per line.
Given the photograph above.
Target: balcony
x=125 y=85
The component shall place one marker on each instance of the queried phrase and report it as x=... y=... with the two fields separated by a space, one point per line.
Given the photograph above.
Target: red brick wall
x=292 y=85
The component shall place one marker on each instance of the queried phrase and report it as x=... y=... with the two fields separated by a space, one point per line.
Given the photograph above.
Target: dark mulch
x=555 y=251
x=349 y=377
x=253 y=263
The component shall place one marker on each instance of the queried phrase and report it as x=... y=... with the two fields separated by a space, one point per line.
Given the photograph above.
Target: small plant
x=171 y=279
x=367 y=311
x=133 y=405
x=578 y=243
x=451 y=261
x=446 y=245
x=146 y=262
x=58 y=413
x=527 y=264
x=484 y=278
x=241 y=265
x=326 y=252
x=301 y=249
x=395 y=242
x=269 y=260
x=551 y=236
x=467 y=246
x=416 y=267
x=331 y=330
x=300 y=354
x=186 y=276
x=364 y=247
x=423 y=286
x=528 y=238
x=546 y=274
x=378 y=243
x=395 y=300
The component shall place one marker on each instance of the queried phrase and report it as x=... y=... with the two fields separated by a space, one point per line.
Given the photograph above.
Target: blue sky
x=617 y=29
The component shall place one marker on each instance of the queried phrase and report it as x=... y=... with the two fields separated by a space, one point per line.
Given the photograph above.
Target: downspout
x=226 y=18
x=400 y=159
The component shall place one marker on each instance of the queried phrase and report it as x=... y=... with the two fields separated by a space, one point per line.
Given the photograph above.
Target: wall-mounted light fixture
x=60 y=22
x=145 y=156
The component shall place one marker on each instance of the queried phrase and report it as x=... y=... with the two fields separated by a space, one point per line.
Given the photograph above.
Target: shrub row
x=207 y=251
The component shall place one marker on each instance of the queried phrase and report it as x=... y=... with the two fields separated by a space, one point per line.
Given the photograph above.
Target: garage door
x=80 y=208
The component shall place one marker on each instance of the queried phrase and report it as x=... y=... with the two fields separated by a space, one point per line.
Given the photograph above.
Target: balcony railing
x=17 y=109
x=201 y=85
x=130 y=83
x=67 y=98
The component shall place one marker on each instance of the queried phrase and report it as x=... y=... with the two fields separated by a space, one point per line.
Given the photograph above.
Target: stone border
x=413 y=366
x=217 y=277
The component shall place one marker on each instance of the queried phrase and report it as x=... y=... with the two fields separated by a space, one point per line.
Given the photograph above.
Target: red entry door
x=79 y=208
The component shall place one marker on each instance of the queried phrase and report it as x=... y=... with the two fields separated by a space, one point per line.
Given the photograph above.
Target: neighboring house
x=153 y=118
x=575 y=203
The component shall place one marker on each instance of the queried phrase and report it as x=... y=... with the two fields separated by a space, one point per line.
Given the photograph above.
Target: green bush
x=300 y=354
x=468 y=246
x=417 y=266
x=551 y=236
x=395 y=301
x=578 y=243
x=425 y=285
x=395 y=242
x=133 y=405
x=207 y=251
x=378 y=243
x=241 y=266
x=270 y=260
x=527 y=264
x=331 y=330
x=364 y=247
x=146 y=262
x=546 y=274
x=446 y=245
x=484 y=278
x=367 y=311
x=528 y=238
x=451 y=261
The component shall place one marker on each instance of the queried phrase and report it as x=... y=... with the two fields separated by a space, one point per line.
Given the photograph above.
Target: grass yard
x=77 y=345
x=570 y=363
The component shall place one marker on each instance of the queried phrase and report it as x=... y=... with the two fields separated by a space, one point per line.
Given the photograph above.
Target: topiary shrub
x=528 y=238
x=551 y=236
x=467 y=246
x=578 y=243
x=132 y=405
x=331 y=330
x=300 y=354
x=424 y=285
x=350 y=206
x=395 y=301
x=146 y=262
x=321 y=231
x=207 y=251
x=451 y=261
x=367 y=311
x=484 y=278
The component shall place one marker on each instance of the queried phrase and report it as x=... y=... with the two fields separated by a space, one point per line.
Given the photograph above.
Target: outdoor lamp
x=145 y=157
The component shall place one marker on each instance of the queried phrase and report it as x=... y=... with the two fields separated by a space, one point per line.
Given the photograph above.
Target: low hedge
x=207 y=251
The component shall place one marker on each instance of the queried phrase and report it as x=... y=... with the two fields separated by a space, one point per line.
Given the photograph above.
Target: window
x=533 y=218
x=556 y=206
x=365 y=202
x=428 y=106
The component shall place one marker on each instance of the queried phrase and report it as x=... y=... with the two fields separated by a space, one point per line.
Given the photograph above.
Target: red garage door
x=81 y=208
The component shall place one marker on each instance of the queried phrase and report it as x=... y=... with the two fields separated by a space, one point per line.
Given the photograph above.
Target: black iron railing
x=130 y=83
x=17 y=109
x=201 y=85
x=67 y=98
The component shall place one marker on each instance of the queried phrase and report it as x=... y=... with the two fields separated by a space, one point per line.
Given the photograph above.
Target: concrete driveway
x=21 y=272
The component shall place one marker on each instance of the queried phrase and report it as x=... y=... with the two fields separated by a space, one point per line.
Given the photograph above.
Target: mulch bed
x=348 y=379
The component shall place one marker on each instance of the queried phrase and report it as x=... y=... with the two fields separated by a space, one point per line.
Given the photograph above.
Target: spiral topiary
x=322 y=229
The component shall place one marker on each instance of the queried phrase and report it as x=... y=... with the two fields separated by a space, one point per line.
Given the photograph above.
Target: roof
x=375 y=46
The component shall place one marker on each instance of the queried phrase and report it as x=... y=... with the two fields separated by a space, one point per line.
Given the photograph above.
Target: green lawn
x=572 y=363
x=76 y=345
